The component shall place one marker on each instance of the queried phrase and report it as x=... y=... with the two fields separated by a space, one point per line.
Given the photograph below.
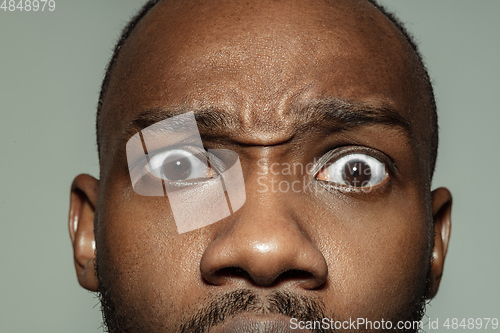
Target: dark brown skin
x=363 y=255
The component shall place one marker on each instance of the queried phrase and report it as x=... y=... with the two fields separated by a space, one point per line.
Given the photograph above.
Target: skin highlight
x=336 y=253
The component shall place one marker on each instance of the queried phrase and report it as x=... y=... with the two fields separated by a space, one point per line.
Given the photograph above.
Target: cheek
x=378 y=258
x=144 y=259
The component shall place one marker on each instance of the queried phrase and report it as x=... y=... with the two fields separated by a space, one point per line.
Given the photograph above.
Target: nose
x=264 y=244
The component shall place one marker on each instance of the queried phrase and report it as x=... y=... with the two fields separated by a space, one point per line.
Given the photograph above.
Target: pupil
x=356 y=173
x=176 y=168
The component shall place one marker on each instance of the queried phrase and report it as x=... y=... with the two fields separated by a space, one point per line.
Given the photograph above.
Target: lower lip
x=245 y=324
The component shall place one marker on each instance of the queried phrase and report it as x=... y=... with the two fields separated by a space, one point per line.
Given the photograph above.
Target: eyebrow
x=344 y=115
x=210 y=121
x=333 y=114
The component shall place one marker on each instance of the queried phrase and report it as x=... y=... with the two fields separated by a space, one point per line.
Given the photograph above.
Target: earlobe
x=83 y=201
x=441 y=212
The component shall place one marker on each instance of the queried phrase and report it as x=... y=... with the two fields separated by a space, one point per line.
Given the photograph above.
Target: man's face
x=298 y=84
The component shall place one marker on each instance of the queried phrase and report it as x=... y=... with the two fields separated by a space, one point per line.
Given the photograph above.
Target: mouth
x=256 y=324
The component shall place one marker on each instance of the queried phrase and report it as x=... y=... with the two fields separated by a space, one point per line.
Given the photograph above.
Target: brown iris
x=356 y=173
x=176 y=167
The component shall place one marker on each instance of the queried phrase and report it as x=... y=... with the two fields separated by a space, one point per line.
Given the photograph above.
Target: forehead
x=260 y=60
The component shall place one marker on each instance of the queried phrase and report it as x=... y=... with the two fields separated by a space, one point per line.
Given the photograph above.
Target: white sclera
x=136 y=157
x=377 y=169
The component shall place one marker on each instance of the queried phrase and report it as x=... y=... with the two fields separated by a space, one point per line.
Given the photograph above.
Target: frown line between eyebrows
x=335 y=115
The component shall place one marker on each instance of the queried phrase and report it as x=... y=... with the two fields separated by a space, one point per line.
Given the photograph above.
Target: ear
x=441 y=212
x=81 y=229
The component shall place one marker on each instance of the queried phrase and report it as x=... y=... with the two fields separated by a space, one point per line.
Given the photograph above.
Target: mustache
x=228 y=305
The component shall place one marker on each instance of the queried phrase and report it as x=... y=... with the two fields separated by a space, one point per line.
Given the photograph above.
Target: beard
x=120 y=316
x=118 y=319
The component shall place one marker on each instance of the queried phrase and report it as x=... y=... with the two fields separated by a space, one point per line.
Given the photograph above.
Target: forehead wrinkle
x=331 y=114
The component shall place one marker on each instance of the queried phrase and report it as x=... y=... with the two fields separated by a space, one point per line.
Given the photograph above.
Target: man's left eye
x=179 y=165
x=354 y=170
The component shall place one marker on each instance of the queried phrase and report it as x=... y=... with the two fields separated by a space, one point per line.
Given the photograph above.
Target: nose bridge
x=265 y=239
x=267 y=214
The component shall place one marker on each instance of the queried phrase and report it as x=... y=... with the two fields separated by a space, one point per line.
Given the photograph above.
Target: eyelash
x=145 y=161
x=363 y=154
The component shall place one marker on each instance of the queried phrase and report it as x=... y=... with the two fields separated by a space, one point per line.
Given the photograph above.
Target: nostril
x=233 y=272
x=227 y=273
x=302 y=277
x=296 y=274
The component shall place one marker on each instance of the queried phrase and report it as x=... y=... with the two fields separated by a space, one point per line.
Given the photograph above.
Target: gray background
x=51 y=66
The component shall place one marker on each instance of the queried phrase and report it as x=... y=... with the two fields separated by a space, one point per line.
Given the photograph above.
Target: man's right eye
x=179 y=165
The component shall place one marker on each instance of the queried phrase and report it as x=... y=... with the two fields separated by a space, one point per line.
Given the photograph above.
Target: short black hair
x=129 y=28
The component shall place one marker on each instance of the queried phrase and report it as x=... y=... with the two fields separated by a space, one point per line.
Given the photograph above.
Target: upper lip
x=256 y=324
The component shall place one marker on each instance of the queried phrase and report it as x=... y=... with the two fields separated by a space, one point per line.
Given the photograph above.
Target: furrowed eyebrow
x=334 y=114
x=211 y=121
